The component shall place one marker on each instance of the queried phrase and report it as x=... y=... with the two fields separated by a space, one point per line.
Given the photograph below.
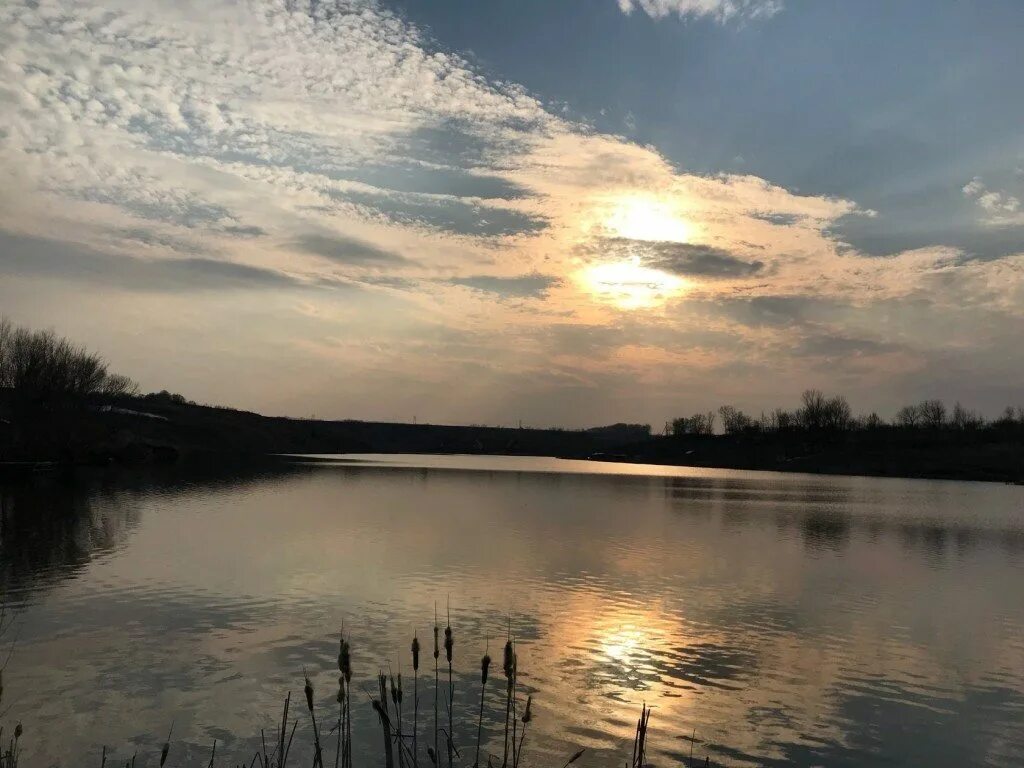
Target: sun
x=629 y=223
x=630 y=285
x=642 y=217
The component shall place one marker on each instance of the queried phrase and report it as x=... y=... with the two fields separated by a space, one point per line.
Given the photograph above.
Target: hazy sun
x=638 y=217
x=630 y=285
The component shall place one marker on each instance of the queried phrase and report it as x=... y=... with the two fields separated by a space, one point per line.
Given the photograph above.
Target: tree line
x=41 y=367
x=820 y=413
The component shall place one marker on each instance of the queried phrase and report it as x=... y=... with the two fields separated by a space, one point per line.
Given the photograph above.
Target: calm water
x=782 y=619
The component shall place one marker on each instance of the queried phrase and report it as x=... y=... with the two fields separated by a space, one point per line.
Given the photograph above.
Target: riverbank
x=140 y=431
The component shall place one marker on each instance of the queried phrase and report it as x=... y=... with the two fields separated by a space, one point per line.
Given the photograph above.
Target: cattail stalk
x=308 y=690
x=281 y=755
x=485 y=664
x=437 y=654
x=345 y=667
x=163 y=752
x=527 y=716
x=507 y=667
x=449 y=644
x=415 y=697
x=396 y=700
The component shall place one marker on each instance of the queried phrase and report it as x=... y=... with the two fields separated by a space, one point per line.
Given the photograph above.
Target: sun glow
x=638 y=217
x=630 y=285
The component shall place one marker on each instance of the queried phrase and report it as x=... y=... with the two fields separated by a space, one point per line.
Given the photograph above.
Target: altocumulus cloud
x=521 y=286
x=722 y=10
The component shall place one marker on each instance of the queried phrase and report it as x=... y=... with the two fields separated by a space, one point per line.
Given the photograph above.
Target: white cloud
x=1000 y=208
x=720 y=10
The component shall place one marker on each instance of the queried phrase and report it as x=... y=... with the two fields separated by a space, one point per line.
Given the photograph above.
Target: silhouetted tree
x=812 y=412
x=932 y=413
x=698 y=424
x=838 y=415
x=734 y=420
x=40 y=366
x=965 y=419
x=908 y=416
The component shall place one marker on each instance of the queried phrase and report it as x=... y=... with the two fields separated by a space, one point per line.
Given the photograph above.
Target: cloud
x=720 y=10
x=265 y=147
x=521 y=286
x=22 y=256
x=1001 y=208
x=683 y=259
x=346 y=250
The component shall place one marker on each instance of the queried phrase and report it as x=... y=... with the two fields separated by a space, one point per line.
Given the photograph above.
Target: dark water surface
x=783 y=619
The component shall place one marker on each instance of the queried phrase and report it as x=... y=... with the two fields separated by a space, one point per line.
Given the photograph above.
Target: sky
x=560 y=212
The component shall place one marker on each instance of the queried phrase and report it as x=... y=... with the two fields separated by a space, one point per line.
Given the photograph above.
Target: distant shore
x=138 y=431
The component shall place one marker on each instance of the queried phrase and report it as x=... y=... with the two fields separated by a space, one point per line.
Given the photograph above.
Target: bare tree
x=813 y=410
x=41 y=366
x=933 y=413
x=698 y=424
x=734 y=420
x=908 y=416
x=965 y=419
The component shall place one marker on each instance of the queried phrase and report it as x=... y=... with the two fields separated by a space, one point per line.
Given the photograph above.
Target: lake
x=769 y=619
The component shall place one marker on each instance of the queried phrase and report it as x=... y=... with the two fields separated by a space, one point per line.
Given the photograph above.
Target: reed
x=437 y=654
x=449 y=645
x=415 y=697
x=318 y=760
x=527 y=716
x=508 y=662
x=485 y=665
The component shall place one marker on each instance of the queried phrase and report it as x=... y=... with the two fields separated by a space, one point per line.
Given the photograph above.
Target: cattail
x=508 y=666
x=576 y=756
x=309 y=693
x=509 y=660
x=18 y=730
x=436 y=686
x=163 y=752
x=527 y=716
x=341 y=689
x=345 y=661
x=308 y=688
x=432 y=755
x=415 y=697
x=399 y=689
x=485 y=664
x=394 y=692
x=449 y=643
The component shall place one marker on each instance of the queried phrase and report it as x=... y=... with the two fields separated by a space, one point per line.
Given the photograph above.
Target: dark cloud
x=156 y=239
x=460 y=217
x=39 y=257
x=188 y=212
x=771 y=311
x=683 y=259
x=779 y=219
x=435 y=181
x=838 y=345
x=346 y=250
x=533 y=285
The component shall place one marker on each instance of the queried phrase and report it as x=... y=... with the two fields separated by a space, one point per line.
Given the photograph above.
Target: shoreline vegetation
x=60 y=407
x=398 y=717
